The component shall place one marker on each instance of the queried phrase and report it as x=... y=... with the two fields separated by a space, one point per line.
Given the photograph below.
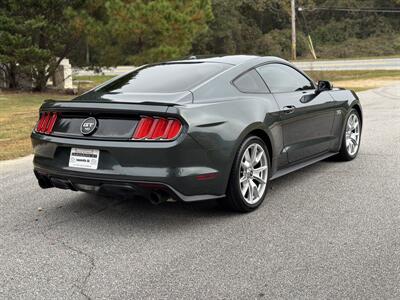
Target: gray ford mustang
x=216 y=128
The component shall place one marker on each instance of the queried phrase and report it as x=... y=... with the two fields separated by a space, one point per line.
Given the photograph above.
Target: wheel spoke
x=250 y=192
x=245 y=187
x=253 y=155
x=255 y=190
x=258 y=158
x=247 y=155
x=242 y=179
x=350 y=122
x=260 y=169
x=259 y=179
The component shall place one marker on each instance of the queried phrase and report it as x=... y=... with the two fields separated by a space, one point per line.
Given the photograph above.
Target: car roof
x=233 y=60
x=228 y=59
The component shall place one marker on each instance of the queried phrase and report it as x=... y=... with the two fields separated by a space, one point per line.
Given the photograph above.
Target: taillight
x=155 y=128
x=46 y=122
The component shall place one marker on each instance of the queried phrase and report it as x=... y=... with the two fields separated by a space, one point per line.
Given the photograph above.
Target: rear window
x=164 y=78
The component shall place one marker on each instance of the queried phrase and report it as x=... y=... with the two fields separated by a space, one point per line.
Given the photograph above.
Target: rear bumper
x=181 y=167
x=103 y=185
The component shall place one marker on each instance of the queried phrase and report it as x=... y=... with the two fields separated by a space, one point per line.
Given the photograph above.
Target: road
x=318 y=65
x=351 y=64
x=331 y=230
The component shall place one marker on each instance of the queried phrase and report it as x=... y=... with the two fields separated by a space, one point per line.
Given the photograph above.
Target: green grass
x=18 y=115
x=357 y=80
x=352 y=75
x=306 y=59
x=85 y=83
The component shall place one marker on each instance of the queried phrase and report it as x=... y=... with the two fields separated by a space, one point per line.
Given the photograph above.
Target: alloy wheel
x=253 y=173
x=352 y=134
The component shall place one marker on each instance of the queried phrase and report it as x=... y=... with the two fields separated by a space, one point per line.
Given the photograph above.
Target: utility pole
x=293 y=29
x=87 y=53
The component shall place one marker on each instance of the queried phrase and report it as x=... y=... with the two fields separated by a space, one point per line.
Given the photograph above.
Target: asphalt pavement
x=331 y=230
x=350 y=64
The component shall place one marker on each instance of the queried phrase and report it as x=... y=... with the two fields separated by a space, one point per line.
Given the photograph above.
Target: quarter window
x=281 y=78
x=250 y=82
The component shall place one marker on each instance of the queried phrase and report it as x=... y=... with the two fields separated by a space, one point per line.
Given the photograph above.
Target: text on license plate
x=84 y=158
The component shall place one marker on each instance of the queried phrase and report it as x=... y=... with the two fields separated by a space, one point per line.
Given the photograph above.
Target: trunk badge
x=89 y=126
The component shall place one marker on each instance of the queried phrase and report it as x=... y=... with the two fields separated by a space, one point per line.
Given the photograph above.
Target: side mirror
x=324 y=85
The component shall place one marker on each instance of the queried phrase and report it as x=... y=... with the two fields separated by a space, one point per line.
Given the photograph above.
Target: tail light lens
x=155 y=128
x=46 y=122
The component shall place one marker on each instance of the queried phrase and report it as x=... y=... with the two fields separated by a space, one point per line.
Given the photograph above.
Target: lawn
x=84 y=83
x=18 y=115
x=349 y=58
x=19 y=111
x=358 y=80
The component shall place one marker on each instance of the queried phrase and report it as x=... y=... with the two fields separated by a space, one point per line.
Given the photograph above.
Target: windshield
x=164 y=78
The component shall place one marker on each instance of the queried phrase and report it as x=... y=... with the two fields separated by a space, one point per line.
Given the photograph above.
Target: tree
x=36 y=35
x=230 y=32
x=263 y=27
x=248 y=27
x=139 y=31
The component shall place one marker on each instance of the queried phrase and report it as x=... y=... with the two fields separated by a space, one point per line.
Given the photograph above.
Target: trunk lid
x=115 y=120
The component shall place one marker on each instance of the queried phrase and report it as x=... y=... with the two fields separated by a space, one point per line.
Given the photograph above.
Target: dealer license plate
x=84 y=158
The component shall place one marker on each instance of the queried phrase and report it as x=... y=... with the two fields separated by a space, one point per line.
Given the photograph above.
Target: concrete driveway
x=331 y=230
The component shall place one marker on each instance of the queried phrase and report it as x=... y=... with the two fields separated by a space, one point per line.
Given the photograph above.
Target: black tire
x=234 y=199
x=344 y=154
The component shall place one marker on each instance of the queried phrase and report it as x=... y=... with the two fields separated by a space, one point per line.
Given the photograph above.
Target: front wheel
x=248 y=183
x=351 y=137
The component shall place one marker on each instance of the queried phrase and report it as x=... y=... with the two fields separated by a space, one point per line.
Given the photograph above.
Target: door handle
x=289 y=109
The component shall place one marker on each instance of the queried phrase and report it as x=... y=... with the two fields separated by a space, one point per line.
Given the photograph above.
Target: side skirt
x=302 y=165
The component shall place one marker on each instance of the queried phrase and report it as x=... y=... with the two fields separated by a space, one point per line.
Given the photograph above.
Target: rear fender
x=220 y=127
x=274 y=142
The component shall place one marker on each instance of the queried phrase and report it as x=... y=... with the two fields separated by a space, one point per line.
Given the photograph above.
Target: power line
x=310 y=42
x=348 y=9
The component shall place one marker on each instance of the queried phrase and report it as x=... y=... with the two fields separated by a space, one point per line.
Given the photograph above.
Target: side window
x=283 y=79
x=250 y=82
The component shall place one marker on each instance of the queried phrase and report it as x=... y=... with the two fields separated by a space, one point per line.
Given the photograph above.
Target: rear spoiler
x=104 y=107
x=130 y=97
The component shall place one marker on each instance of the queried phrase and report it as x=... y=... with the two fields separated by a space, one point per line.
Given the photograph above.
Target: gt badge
x=88 y=126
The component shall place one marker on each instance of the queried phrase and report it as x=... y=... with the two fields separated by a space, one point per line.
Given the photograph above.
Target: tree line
x=36 y=35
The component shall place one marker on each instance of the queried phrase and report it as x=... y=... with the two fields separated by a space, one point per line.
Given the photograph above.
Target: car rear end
x=136 y=148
